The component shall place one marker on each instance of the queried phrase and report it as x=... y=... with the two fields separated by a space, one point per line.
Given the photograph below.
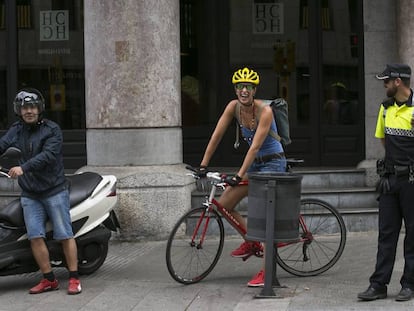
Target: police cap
x=393 y=71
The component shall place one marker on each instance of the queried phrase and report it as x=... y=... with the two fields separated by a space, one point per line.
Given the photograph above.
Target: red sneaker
x=257 y=280
x=247 y=249
x=44 y=286
x=74 y=286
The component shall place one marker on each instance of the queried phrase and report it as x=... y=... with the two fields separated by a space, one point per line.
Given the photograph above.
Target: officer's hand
x=234 y=181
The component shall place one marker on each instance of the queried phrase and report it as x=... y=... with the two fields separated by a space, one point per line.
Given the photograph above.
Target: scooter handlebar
x=4 y=172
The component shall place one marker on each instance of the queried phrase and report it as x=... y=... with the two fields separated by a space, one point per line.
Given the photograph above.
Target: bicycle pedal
x=259 y=254
x=246 y=257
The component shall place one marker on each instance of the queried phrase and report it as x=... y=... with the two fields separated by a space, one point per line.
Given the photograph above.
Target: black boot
x=373 y=293
x=405 y=294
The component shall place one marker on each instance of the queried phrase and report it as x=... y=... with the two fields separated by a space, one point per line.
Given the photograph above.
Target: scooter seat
x=82 y=186
x=12 y=214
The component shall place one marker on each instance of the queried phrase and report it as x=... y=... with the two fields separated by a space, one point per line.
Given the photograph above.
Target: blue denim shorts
x=274 y=165
x=56 y=208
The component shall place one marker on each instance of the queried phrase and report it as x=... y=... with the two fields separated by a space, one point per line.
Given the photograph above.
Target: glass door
x=308 y=52
x=342 y=108
x=44 y=49
x=51 y=57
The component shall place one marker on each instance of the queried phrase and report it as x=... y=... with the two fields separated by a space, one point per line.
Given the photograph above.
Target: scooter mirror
x=11 y=153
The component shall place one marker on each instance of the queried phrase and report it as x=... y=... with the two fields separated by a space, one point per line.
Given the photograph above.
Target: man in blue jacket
x=45 y=193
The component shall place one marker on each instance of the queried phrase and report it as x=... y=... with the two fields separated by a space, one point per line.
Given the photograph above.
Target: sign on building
x=268 y=18
x=54 y=25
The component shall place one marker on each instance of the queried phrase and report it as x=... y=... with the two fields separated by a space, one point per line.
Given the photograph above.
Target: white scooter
x=92 y=200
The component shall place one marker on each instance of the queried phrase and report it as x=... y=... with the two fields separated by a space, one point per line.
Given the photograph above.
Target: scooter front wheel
x=91 y=257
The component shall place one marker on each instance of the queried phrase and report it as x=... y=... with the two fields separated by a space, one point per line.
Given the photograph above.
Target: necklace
x=253 y=120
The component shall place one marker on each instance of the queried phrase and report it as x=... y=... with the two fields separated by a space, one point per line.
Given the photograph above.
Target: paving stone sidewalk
x=135 y=277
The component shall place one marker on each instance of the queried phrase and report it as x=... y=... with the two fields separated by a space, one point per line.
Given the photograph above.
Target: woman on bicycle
x=265 y=153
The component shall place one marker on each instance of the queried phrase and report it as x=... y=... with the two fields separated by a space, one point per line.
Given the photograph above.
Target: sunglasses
x=249 y=87
x=386 y=81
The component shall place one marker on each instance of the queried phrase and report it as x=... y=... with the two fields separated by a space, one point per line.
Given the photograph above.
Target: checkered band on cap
x=392 y=71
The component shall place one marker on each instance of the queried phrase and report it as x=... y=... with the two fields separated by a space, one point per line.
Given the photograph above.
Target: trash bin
x=280 y=191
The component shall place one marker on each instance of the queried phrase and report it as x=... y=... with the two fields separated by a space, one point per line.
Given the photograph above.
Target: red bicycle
x=196 y=241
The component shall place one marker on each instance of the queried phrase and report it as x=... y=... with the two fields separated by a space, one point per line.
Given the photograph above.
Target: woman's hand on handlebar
x=233 y=181
x=200 y=172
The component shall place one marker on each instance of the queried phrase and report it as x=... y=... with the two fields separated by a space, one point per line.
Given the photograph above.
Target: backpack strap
x=237 y=115
x=271 y=133
x=237 y=112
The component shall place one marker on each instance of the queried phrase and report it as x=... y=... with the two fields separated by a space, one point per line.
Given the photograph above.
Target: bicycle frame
x=211 y=202
x=193 y=250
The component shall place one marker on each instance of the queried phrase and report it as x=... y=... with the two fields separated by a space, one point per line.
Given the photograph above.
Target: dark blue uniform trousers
x=394 y=207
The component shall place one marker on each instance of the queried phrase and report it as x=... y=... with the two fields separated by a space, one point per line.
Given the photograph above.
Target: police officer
x=395 y=130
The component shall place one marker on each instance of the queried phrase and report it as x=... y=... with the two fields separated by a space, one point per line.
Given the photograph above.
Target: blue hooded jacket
x=42 y=159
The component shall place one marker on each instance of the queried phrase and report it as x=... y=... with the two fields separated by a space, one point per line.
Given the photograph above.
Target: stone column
x=380 y=48
x=133 y=114
x=405 y=39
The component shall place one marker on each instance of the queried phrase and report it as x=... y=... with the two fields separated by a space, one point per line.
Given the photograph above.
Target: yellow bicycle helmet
x=246 y=75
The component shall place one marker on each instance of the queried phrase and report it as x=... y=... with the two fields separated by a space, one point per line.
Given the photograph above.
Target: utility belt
x=385 y=169
x=269 y=157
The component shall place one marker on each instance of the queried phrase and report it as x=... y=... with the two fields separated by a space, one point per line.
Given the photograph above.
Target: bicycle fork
x=208 y=205
x=199 y=244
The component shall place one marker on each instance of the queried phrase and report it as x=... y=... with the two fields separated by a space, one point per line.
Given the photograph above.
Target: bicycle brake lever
x=256 y=253
x=195 y=176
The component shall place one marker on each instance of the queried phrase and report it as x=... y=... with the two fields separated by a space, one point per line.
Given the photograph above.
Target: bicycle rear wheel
x=195 y=245
x=322 y=240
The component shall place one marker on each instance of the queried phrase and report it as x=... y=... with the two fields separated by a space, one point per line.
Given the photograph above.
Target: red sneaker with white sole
x=257 y=280
x=247 y=249
x=74 y=286
x=44 y=286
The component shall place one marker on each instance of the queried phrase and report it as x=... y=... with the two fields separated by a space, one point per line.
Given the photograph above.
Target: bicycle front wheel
x=195 y=245
x=322 y=240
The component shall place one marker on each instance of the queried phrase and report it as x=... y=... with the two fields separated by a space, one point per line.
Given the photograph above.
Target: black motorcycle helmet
x=28 y=97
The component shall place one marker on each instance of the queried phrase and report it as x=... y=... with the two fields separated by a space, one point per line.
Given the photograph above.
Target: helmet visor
x=28 y=99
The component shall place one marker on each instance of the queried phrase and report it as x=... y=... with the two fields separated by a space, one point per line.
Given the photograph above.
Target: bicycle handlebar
x=210 y=175
x=215 y=175
x=216 y=178
x=221 y=178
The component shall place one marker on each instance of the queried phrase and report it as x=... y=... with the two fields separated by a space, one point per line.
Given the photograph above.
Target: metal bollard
x=270 y=247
